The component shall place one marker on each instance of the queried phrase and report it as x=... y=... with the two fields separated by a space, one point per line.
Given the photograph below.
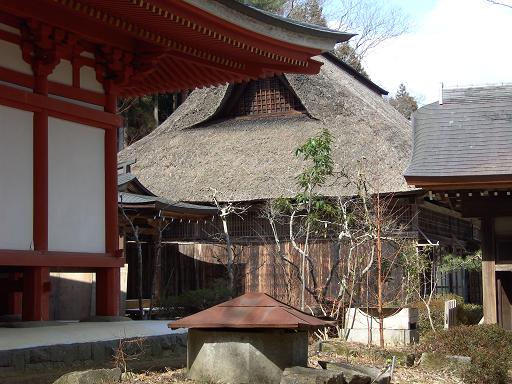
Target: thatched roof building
x=240 y=139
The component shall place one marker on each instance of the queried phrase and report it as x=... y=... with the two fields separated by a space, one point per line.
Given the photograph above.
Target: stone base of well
x=244 y=356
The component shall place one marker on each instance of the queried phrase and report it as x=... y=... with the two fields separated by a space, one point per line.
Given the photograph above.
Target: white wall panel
x=11 y=58
x=76 y=187
x=88 y=80
x=62 y=73
x=8 y=28
x=16 y=196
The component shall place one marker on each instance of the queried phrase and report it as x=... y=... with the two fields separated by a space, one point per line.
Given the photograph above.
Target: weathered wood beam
x=488 y=271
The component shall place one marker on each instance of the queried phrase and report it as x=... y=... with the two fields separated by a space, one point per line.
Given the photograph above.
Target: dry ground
x=402 y=375
x=167 y=377
x=357 y=354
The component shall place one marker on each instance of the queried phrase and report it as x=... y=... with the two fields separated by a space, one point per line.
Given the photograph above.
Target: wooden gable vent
x=263 y=97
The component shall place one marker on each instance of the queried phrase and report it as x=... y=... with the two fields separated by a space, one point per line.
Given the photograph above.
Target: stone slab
x=435 y=360
x=94 y=376
x=359 y=374
x=303 y=375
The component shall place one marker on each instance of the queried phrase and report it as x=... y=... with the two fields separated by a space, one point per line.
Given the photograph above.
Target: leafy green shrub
x=196 y=300
x=472 y=262
x=469 y=314
x=489 y=346
x=436 y=310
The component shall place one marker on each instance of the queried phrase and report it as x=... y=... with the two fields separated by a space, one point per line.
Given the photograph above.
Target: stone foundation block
x=302 y=375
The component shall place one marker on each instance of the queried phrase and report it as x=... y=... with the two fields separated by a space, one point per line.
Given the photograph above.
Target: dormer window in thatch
x=263 y=97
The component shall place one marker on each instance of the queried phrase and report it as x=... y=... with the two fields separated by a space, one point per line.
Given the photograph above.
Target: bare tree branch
x=499 y=3
x=225 y=210
x=372 y=23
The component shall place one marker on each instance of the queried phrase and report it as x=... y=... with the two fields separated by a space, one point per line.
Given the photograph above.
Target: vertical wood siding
x=258 y=268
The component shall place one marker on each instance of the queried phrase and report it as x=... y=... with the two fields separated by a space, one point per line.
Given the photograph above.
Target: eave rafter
x=146 y=34
x=258 y=49
x=184 y=50
x=445 y=183
x=148 y=57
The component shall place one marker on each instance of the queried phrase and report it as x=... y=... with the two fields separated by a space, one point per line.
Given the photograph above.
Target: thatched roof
x=194 y=151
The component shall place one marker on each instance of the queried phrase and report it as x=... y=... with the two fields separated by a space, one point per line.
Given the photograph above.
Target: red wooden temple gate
x=63 y=64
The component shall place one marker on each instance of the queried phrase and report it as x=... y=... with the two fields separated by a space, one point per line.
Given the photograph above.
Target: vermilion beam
x=57 y=108
x=58 y=259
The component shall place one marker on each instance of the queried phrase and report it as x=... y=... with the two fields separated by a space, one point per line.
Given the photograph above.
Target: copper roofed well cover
x=252 y=310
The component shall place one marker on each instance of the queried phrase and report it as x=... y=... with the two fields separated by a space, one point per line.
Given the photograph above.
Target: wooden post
x=108 y=284
x=35 y=294
x=14 y=297
x=107 y=291
x=35 y=298
x=450 y=308
x=488 y=272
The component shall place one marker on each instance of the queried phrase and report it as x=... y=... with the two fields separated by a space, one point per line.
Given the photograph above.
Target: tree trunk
x=139 y=262
x=155 y=109
x=157 y=269
x=229 y=253
x=379 y=275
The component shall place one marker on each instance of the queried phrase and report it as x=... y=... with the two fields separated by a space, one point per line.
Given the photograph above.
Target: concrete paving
x=75 y=332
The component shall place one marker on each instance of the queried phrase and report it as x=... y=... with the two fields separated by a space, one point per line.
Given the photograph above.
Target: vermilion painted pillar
x=4 y=297
x=14 y=300
x=108 y=279
x=107 y=291
x=36 y=279
x=10 y=294
x=35 y=294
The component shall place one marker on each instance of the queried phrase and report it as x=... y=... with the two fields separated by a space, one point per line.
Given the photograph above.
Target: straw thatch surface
x=252 y=159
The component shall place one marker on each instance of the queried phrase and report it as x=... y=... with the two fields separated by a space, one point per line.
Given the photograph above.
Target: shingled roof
x=468 y=136
x=132 y=194
x=199 y=149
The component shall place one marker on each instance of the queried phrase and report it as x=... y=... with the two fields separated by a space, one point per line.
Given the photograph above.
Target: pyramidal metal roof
x=251 y=310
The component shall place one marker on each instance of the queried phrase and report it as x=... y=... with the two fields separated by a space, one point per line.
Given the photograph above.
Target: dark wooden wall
x=467 y=284
x=258 y=268
x=182 y=270
x=192 y=257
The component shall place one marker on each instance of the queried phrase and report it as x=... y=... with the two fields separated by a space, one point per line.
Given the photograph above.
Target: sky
x=457 y=42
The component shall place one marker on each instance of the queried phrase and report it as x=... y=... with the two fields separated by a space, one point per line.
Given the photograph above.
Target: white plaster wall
x=78 y=102
x=8 y=28
x=88 y=80
x=76 y=187
x=87 y=54
x=16 y=213
x=62 y=73
x=11 y=58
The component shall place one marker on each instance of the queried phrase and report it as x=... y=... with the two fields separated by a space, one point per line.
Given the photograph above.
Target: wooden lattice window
x=266 y=96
